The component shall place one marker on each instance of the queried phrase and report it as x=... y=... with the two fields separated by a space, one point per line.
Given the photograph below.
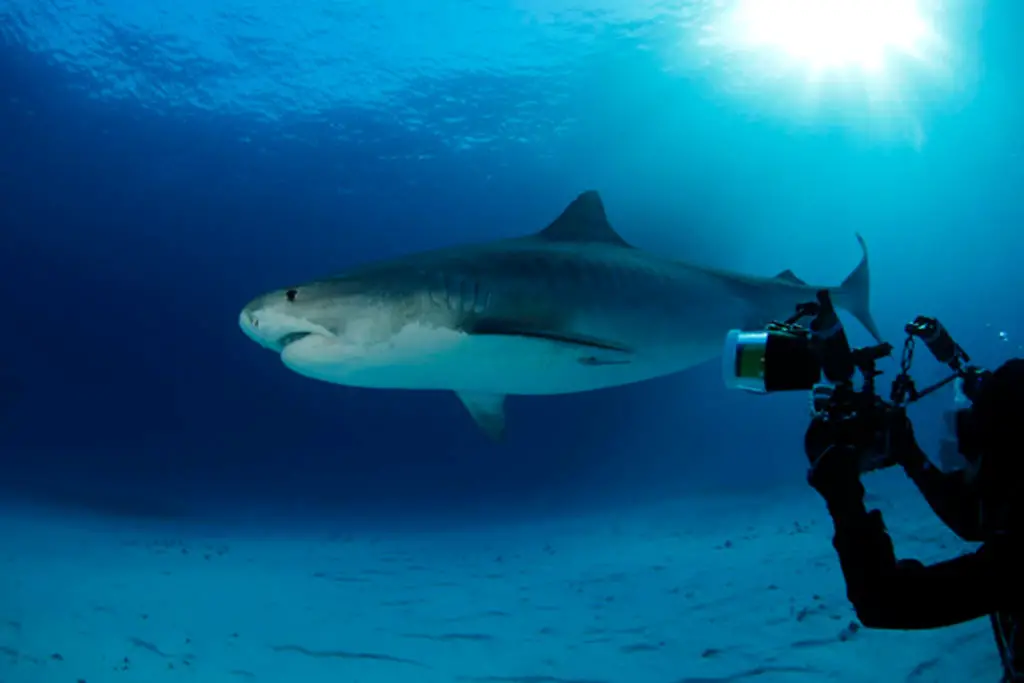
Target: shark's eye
x=291 y=293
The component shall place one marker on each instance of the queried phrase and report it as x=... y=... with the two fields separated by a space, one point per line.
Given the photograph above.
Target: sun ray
x=863 y=61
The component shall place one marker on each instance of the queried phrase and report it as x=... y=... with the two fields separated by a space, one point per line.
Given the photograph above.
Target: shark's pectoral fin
x=617 y=358
x=588 y=351
x=789 y=276
x=592 y=351
x=488 y=410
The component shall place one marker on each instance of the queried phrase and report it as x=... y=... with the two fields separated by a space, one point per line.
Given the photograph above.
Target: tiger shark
x=571 y=308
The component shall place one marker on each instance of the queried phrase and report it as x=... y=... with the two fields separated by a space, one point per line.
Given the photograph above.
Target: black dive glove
x=835 y=467
x=902 y=444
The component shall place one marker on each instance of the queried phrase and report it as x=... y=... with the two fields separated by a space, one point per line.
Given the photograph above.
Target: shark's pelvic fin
x=488 y=410
x=789 y=276
x=584 y=220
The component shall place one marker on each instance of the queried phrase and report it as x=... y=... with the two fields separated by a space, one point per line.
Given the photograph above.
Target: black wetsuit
x=905 y=594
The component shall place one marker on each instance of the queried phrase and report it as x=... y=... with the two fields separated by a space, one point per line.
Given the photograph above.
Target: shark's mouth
x=291 y=338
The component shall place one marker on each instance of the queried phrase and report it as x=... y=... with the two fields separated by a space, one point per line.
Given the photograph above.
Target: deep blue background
x=132 y=234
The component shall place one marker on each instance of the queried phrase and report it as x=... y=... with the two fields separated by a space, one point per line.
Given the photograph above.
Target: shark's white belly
x=431 y=358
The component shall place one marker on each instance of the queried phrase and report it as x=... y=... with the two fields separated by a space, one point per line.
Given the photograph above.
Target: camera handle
x=942 y=347
x=864 y=411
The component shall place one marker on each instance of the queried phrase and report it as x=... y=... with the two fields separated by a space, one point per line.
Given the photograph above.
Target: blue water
x=161 y=163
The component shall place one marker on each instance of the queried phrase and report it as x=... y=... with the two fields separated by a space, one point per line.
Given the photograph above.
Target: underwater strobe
x=786 y=356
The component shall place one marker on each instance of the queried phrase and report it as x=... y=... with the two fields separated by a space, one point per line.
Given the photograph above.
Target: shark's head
x=345 y=330
x=278 y=319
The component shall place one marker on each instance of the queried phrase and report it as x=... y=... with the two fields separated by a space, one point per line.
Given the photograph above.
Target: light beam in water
x=867 y=62
x=832 y=35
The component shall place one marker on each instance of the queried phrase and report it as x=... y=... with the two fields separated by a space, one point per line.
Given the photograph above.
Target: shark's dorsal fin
x=789 y=276
x=583 y=220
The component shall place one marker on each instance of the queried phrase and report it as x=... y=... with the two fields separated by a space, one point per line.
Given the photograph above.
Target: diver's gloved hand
x=903 y=447
x=834 y=467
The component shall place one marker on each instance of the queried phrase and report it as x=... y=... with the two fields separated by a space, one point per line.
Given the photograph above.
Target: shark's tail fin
x=854 y=294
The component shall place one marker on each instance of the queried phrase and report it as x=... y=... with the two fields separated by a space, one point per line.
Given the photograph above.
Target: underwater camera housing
x=786 y=356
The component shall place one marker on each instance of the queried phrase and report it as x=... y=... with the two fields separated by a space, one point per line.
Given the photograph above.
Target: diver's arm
x=947 y=493
x=888 y=593
x=892 y=594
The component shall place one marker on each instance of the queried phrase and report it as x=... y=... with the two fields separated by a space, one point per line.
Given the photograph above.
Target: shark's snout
x=274 y=331
x=250 y=325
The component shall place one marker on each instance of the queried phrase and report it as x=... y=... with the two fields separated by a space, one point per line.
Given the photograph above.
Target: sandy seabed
x=714 y=589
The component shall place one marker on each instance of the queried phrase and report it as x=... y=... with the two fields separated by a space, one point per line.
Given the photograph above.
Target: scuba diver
x=984 y=502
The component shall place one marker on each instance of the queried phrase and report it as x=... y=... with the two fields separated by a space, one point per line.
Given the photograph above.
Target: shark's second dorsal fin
x=789 y=276
x=583 y=220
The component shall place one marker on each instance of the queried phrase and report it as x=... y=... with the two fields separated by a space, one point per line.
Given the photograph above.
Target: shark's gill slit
x=467 y=295
x=453 y=292
x=476 y=307
x=442 y=298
